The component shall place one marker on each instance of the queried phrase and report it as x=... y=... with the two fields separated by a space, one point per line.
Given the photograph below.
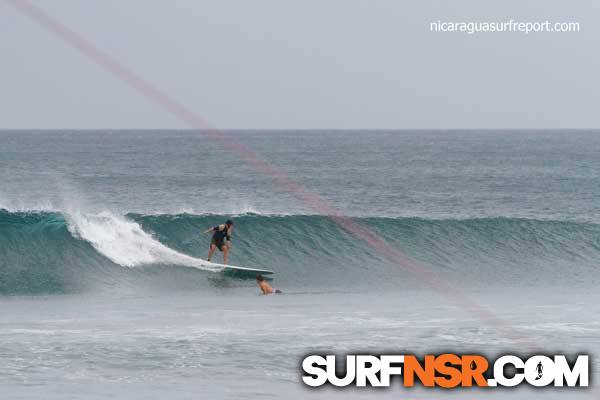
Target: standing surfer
x=221 y=239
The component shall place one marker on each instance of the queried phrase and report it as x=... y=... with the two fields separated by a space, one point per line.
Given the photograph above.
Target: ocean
x=104 y=292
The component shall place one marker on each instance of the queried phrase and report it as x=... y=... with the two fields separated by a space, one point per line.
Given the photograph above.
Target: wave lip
x=50 y=252
x=124 y=242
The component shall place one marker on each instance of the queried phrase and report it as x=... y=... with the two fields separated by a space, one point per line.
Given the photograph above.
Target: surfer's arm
x=209 y=230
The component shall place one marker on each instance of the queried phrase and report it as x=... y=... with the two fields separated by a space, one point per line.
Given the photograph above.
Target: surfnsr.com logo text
x=445 y=371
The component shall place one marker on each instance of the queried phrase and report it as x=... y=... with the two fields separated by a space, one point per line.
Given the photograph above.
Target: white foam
x=125 y=243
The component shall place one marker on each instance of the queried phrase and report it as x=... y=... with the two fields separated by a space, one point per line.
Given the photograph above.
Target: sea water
x=104 y=294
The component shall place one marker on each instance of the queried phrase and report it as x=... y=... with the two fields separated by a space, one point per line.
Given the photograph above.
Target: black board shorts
x=218 y=243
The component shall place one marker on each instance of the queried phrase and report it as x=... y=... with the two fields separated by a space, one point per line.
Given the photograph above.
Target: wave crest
x=56 y=252
x=125 y=243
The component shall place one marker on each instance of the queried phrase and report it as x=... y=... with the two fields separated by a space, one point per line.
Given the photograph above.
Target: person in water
x=264 y=286
x=221 y=239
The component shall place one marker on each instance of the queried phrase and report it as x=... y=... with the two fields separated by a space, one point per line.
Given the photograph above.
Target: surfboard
x=233 y=268
x=243 y=270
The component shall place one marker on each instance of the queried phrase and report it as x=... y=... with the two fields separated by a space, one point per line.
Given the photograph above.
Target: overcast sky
x=304 y=64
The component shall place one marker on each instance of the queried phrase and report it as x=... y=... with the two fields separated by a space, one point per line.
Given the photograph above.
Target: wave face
x=51 y=252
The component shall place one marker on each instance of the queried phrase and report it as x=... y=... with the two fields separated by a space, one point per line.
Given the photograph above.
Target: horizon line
x=305 y=129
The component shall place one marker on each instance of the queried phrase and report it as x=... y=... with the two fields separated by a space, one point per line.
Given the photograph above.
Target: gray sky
x=304 y=64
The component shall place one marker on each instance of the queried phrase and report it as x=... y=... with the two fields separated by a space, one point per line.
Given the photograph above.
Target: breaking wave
x=53 y=252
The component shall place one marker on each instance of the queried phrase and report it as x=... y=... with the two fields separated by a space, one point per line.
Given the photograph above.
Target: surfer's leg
x=225 y=253
x=211 y=251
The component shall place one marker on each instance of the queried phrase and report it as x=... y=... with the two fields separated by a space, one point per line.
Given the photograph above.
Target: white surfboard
x=233 y=268
x=188 y=261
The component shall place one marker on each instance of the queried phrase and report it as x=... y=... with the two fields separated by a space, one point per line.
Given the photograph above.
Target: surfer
x=264 y=286
x=221 y=239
